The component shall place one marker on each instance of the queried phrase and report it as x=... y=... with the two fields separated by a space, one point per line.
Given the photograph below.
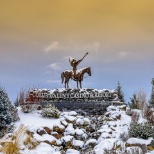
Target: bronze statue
x=67 y=75
x=76 y=75
x=74 y=63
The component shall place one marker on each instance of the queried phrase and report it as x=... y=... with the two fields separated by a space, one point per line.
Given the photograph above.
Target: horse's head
x=88 y=70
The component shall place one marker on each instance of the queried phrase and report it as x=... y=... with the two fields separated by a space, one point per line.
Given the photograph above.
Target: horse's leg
x=67 y=83
x=80 y=85
x=77 y=84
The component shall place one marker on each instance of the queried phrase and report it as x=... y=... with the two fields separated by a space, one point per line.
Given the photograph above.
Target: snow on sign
x=56 y=95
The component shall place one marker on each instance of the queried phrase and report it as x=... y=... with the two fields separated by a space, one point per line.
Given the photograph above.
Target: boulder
x=59 y=128
x=48 y=130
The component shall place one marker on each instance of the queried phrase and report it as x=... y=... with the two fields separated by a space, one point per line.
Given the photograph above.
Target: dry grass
x=12 y=145
x=30 y=142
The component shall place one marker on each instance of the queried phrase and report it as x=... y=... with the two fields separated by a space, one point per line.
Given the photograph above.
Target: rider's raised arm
x=79 y=61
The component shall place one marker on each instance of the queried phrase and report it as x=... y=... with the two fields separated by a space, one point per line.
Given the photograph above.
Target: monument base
x=91 y=101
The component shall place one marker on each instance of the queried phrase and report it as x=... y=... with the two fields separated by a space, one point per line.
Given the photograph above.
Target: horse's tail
x=62 y=77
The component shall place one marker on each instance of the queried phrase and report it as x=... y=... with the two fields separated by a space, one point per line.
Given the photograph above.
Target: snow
x=79 y=132
x=78 y=143
x=42 y=148
x=67 y=138
x=69 y=130
x=91 y=141
x=72 y=151
x=139 y=141
x=109 y=132
x=34 y=120
x=70 y=118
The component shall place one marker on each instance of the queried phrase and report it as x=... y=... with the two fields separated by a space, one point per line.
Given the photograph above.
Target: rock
x=77 y=144
x=59 y=128
x=67 y=142
x=107 y=114
x=51 y=143
x=90 y=128
x=56 y=135
x=70 y=130
x=41 y=131
x=91 y=143
x=104 y=136
x=39 y=107
x=86 y=122
x=79 y=132
x=49 y=139
x=64 y=123
x=48 y=130
x=70 y=119
x=73 y=113
x=107 y=130
x=82 y=122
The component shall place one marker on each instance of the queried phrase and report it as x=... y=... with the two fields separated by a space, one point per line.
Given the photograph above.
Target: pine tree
x=16 y=102
x=152 y=94
x=134 y=102
x=120 y=93
x=5 y=116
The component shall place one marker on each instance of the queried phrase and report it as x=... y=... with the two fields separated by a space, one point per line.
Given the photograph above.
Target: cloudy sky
x=38 y=36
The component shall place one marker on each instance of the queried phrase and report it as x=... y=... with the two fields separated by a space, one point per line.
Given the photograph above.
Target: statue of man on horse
x=76 y=75
x=74 y=63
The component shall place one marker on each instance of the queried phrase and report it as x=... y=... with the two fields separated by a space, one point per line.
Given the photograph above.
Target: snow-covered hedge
x=50 y=111
x=143 y=131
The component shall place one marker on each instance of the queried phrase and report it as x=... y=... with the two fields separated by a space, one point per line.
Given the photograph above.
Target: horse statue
x=68 y=74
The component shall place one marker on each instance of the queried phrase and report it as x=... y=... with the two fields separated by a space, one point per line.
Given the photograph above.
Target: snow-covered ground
x=35 y=120
x=79 y=132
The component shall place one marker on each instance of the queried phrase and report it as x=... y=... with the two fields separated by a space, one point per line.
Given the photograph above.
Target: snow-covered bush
x=14 y=113
x=143 y=131
x=50 y=111
x=5 y=116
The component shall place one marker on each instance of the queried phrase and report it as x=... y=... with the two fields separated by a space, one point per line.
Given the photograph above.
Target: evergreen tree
x=5 y=116
x=134 y=102
x=152 y=94
x=120 y=93
x=16 y=102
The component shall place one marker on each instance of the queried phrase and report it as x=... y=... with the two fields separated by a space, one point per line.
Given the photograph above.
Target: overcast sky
x=37 y=37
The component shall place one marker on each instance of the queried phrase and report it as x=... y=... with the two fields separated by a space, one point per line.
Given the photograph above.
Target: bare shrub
x=124 y=136
x=135 y=116
x=149 y=114
x=22 y=96
x=142 y=98
x=27 y=108
x=30 y=142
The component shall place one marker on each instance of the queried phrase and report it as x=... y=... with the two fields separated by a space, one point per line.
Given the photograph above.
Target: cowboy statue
x=74 y=63
x=75 y=75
